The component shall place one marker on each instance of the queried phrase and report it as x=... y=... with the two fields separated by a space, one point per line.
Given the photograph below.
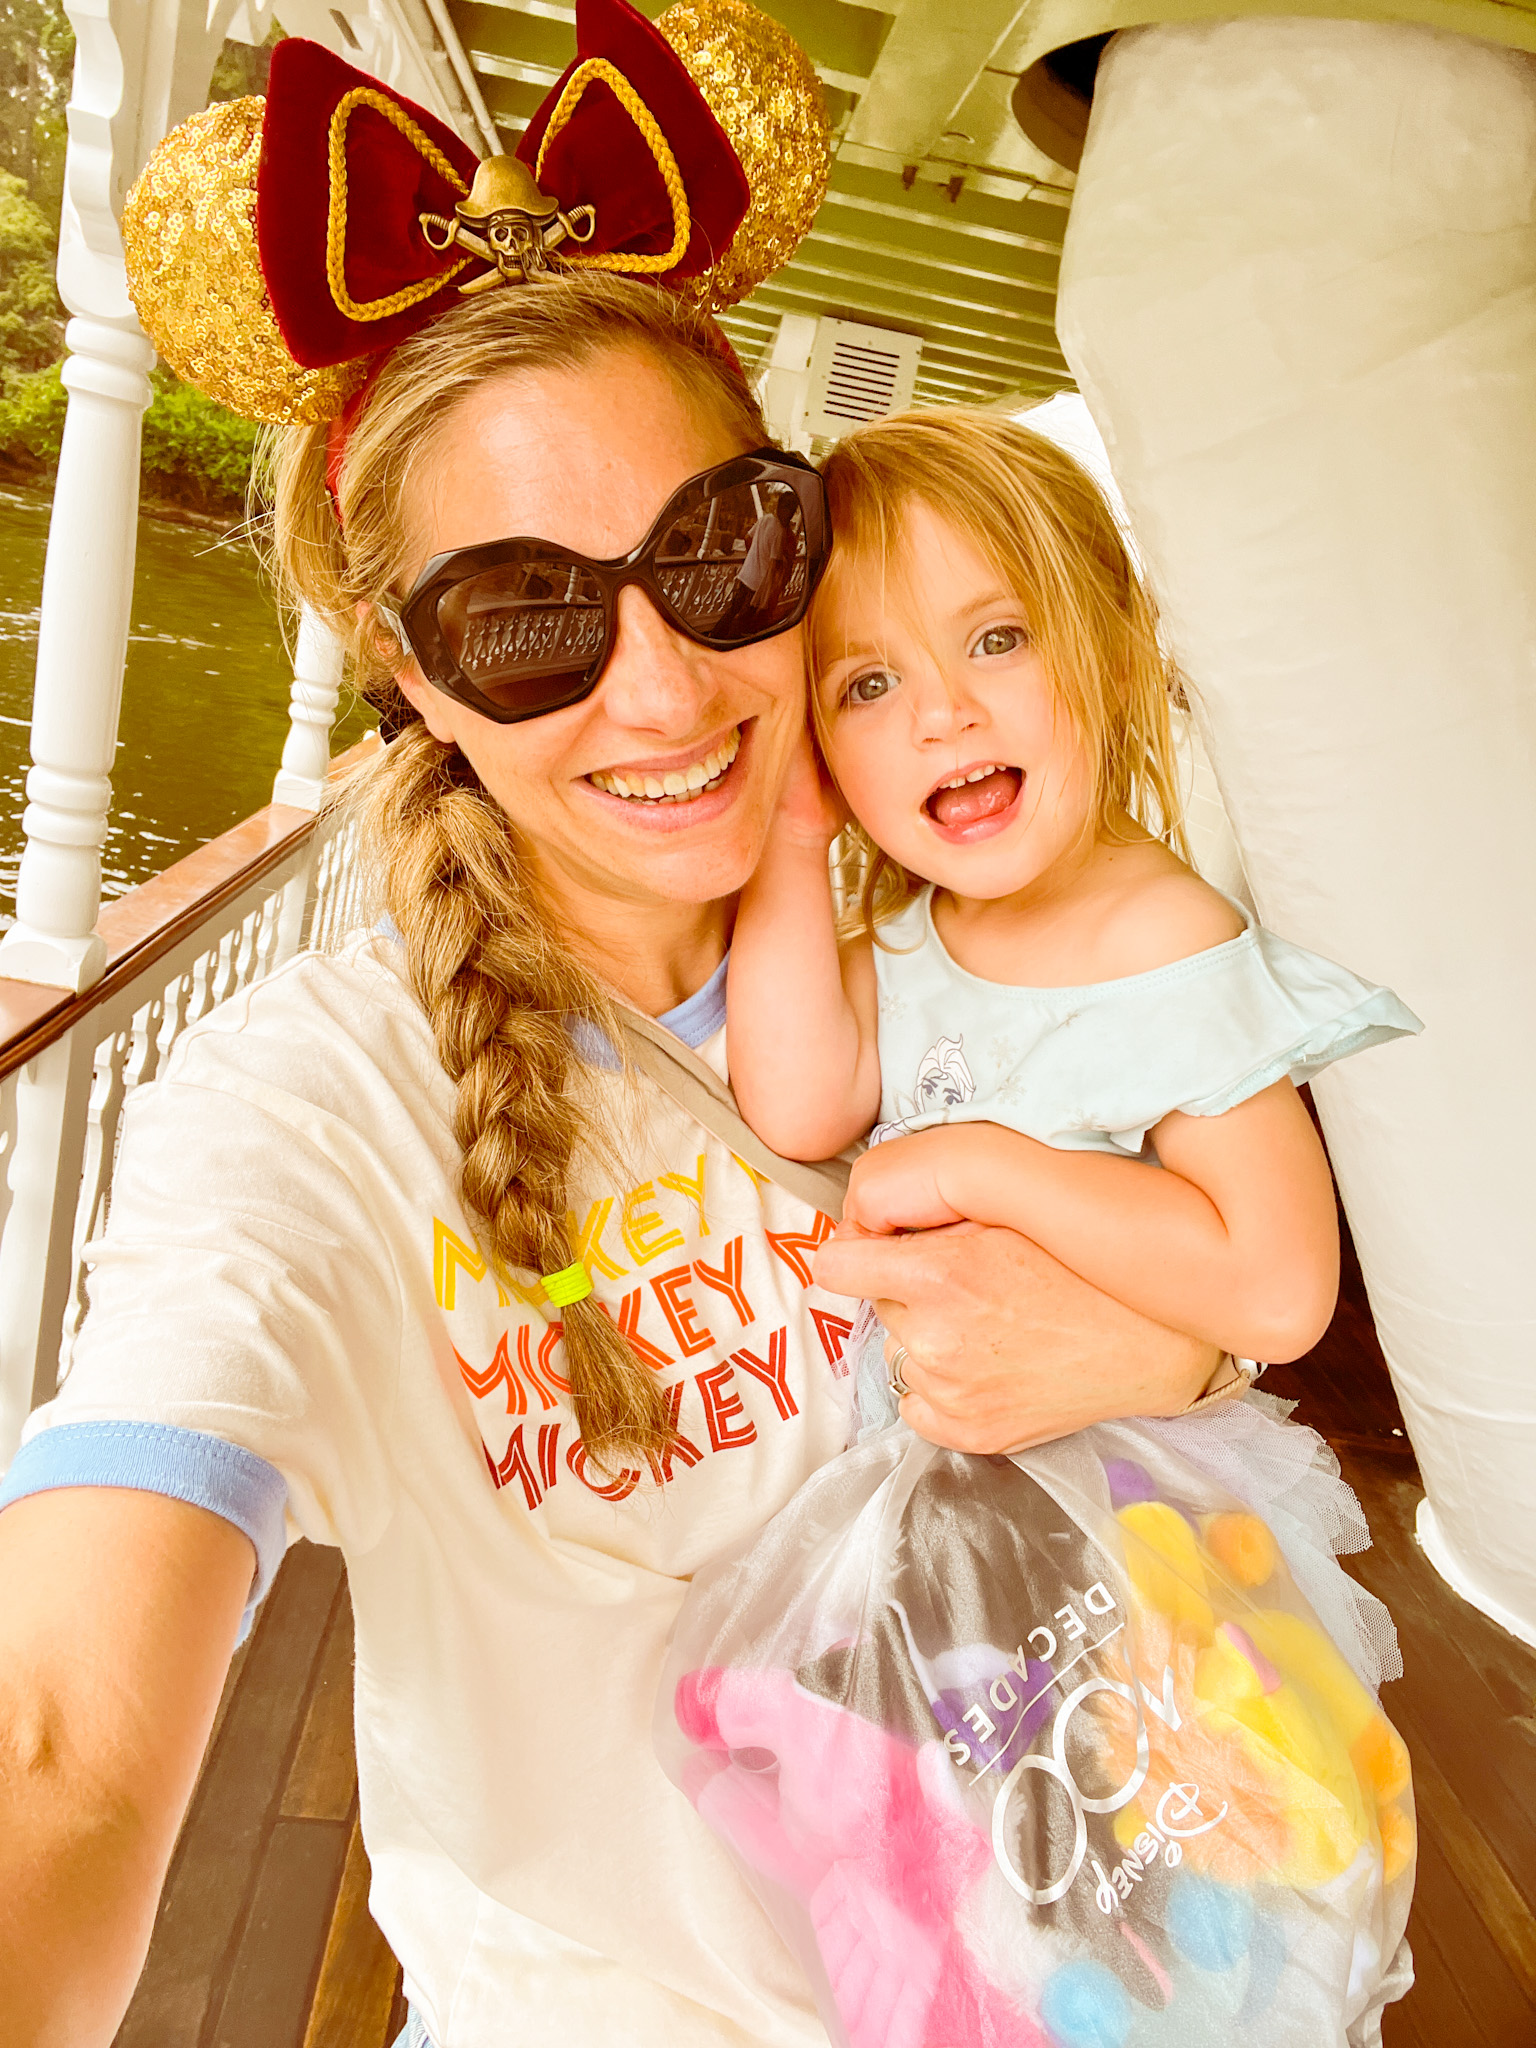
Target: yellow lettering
x=450 y=1256
x=680 y=1184
x=588 y=1239
x=758 y=1180
x=644 y=1230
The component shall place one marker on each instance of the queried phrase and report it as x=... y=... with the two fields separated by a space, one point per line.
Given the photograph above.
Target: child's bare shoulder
x=1160 y=913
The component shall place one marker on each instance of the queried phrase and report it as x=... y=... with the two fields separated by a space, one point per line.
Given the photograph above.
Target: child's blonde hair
x=1044 y=525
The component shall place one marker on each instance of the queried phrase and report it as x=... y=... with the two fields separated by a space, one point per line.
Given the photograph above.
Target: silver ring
x=896 y=1383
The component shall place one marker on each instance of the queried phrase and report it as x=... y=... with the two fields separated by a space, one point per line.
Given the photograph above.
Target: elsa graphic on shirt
x=944 y=1082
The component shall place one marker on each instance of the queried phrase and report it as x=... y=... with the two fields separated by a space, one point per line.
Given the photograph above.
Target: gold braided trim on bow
x=650 y=133
x=336 y=222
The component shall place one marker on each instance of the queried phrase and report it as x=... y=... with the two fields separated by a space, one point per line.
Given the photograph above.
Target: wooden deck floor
x=264 y=1940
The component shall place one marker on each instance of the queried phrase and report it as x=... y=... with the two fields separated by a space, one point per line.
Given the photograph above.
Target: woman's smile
x=686 y=778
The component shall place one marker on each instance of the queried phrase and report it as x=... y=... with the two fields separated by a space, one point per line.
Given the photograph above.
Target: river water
x=205 y=694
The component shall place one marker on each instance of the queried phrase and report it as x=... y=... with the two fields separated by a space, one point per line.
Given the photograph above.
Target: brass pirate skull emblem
x=508 y=222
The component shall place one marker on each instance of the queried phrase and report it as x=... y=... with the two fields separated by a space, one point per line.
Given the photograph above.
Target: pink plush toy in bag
x=1050 y=1751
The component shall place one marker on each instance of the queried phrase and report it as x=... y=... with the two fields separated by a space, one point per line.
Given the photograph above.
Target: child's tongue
x=973 y=800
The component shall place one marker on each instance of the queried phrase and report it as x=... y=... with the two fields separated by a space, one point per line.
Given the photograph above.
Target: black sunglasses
x=516 y=628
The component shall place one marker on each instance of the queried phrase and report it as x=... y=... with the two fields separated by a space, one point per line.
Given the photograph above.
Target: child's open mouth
x=974 y=802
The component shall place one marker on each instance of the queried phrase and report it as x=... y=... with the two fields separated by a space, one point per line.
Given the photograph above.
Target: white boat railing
x=189 y=939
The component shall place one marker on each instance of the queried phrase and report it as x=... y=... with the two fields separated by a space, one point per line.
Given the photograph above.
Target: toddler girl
x=1204 y=1833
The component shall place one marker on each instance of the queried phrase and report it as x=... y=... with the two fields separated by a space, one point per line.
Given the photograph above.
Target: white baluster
x=317 y=668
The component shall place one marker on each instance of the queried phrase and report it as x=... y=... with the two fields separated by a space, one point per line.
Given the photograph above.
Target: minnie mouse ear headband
x=277 y=249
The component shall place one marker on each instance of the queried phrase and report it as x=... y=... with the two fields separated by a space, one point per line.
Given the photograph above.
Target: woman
x=320 y=1284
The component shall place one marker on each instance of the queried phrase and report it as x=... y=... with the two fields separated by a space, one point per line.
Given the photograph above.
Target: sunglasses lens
x=525 y=633
x=732 y=566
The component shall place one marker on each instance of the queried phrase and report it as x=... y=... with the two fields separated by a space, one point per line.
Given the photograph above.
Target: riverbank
x=205 y=692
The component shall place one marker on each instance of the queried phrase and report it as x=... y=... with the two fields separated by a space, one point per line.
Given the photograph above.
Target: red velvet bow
x=347 y=167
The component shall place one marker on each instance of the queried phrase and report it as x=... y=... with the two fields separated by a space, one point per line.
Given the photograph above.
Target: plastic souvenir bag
x=1046 y=1751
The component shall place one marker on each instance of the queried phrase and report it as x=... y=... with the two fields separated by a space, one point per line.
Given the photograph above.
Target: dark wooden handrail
x=147 y=923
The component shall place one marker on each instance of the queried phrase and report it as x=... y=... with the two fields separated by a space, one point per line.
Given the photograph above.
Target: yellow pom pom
x=1164 y=1562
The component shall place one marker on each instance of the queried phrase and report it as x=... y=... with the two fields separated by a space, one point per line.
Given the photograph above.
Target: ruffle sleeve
x=1294 y=1014
x=1240 y=1018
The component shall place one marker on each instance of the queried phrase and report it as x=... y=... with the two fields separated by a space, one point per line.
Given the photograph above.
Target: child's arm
x=800 y=1011
x=1235 y=1241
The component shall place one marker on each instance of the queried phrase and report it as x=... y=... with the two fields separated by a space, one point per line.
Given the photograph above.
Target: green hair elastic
x=572 y=1283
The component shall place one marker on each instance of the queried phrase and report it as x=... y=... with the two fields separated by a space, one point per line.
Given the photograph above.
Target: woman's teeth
x=673 y=785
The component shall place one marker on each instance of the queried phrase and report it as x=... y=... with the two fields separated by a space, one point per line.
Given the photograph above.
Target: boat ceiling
x=941 y=219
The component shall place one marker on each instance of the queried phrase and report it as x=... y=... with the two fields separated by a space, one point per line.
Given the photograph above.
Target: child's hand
x=810 y=810
x=908 y=1183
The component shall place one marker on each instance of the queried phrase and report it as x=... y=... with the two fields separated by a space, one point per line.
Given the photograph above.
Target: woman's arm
x=1235 y=1241
x=1005 y=1346
x=118 y=1613
x=800 y=1011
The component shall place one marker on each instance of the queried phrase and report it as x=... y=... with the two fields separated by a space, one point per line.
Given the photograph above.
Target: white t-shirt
x=288 y=1267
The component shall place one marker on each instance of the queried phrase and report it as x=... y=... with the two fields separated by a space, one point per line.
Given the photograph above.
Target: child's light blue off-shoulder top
x=1094 y=1068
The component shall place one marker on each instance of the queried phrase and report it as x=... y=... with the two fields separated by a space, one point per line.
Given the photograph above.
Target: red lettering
x=547 y=1343
x=629 y=1328
x=678 y=1445
x=795 y=1246
x=719 y=1407
x=549 y=1453
x=617 y=1489
x=498 y=1373
x=834 y=1332
x=525 y=1360
x=726 y=1280
x=679 y=1310
x=516 y=1462
x=775 y=1374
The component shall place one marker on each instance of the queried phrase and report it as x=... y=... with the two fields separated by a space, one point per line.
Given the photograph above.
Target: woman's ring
x=897 y=1384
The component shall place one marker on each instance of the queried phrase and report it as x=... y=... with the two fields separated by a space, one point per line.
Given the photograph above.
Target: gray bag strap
x=679 y=1072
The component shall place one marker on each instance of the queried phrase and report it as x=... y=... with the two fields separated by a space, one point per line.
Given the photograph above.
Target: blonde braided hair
x=498 y=983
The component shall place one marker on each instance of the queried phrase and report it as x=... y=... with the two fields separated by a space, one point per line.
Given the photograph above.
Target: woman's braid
x=501 y=995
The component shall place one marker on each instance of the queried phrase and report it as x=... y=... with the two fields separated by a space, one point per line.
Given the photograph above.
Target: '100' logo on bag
x=1178 y=1816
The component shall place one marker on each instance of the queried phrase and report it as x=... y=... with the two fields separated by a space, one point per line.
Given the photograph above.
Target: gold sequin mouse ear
x=276 y=249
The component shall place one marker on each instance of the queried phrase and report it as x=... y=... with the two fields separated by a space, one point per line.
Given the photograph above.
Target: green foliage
x=195 y=453
x=31 y=329
x=32 y=419
x=194 y=450
x=241 y=70
x=37 y=55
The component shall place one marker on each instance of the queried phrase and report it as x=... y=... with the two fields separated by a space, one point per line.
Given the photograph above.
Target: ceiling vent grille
x=858 y=373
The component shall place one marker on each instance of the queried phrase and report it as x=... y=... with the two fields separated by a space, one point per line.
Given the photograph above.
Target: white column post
x=81 y=643
x=1299 y=295
x=317 y=667
x=786 y=383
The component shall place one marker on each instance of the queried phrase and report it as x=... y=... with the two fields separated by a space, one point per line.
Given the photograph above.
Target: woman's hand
x=1005 y=1346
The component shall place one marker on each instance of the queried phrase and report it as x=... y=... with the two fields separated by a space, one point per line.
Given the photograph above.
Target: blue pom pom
x=1209 y=1924
x=1085 y=2006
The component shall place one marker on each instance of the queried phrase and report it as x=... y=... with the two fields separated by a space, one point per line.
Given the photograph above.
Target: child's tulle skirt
x=1077 y=1748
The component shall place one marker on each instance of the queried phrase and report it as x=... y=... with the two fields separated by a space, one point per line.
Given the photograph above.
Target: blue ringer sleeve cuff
x=153 y=1457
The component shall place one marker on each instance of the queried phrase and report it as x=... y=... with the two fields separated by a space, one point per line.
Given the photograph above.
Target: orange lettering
x=726 y=1280
x=775 y=1374
x=678 y=1308
x=795 y=1246
x=720 y=1405
x=629 y=1328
